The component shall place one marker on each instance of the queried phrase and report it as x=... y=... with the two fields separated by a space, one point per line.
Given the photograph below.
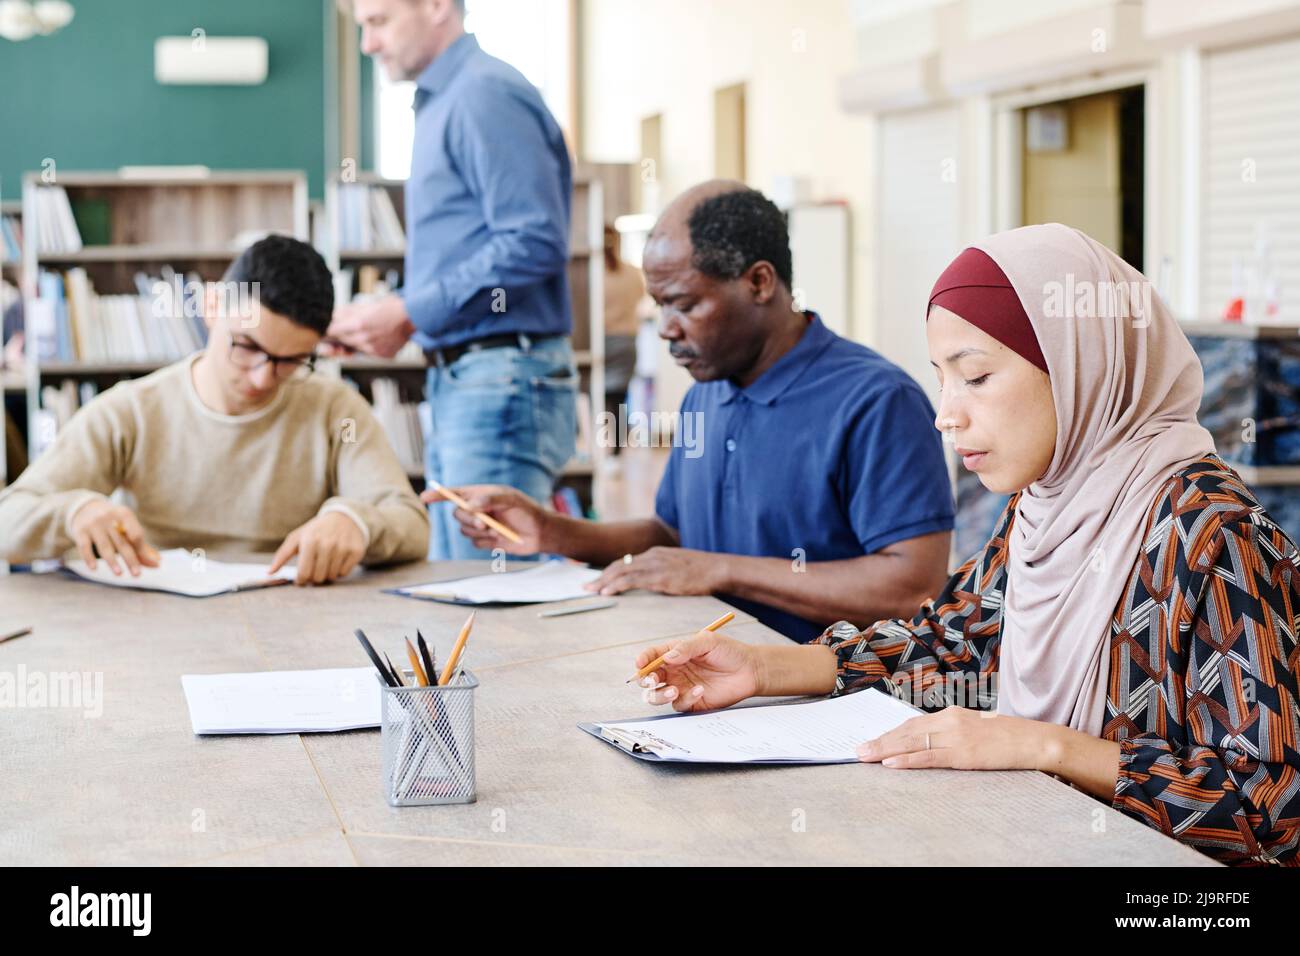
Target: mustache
x=677 y=352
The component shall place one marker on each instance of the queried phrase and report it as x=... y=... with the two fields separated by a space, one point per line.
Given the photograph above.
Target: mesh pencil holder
x=428 y=743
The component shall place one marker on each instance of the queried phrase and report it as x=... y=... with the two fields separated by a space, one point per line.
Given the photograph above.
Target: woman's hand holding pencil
x=703 y=672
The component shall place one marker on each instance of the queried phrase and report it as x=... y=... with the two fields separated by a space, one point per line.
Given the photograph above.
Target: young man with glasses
x=238 y=448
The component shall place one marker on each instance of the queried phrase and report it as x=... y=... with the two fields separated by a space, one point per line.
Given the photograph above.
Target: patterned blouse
x=1202 y=693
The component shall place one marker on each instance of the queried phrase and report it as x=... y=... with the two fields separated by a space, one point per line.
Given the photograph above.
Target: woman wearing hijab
x=1133 y=619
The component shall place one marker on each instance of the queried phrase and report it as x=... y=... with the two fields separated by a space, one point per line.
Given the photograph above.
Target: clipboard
x=430 y=591
x=837 y=723
x=633 y=749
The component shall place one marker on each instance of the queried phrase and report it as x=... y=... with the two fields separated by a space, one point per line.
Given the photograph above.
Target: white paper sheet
x=819 y=731
x=180 y=572
x=283 y=702
x=550 y=581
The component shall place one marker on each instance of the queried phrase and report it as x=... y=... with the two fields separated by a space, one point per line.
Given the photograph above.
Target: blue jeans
x=502 y=416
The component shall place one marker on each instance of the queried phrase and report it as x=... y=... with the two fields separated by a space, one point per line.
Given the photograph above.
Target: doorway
x=1082 y=163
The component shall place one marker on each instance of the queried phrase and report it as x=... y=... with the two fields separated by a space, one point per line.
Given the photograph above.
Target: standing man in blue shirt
x=485 y=291
x=817 y=491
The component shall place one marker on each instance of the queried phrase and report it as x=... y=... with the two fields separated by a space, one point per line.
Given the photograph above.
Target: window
x=530 y=35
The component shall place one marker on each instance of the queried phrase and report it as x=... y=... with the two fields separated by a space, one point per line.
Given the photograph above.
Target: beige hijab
x=1126 y=386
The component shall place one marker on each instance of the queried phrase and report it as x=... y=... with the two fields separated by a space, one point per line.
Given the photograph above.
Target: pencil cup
x=428 y=742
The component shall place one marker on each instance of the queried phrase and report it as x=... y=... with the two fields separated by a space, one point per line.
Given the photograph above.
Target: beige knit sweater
x=201 y=479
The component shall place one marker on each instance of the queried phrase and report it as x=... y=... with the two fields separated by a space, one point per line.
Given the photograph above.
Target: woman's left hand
x=966 y=739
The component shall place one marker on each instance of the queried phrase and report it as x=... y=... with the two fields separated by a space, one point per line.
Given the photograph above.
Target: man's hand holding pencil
x=497 y=516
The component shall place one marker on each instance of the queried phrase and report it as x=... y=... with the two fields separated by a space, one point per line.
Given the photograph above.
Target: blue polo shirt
x=831 y=454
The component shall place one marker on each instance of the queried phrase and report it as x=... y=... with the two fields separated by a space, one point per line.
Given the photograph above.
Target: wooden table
x=135 y=786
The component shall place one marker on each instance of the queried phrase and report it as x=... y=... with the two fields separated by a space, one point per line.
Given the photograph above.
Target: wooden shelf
x=364 y=254
x=1239 y=330
x=89 y=369
x=138 y=253
x=216 y=177
x=378 y=365
x=1268 y=474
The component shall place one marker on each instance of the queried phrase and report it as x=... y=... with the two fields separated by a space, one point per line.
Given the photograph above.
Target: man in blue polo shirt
x=818 y=490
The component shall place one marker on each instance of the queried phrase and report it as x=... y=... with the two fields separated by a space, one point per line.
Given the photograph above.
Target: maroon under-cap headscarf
x=974 y=288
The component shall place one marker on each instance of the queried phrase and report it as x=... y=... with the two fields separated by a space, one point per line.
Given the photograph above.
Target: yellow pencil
x=456 y=651
x=649 y=668
x=416 y=667
x=490 y=521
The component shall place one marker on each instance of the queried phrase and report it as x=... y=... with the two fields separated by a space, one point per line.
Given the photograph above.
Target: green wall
x=87 y=96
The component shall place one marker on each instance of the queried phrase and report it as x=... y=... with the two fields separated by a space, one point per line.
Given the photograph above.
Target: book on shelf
x=343 y=287
x=151 y=326
x=367 y=219
x=370 y=282
x=401 y=422
x=11 y=238
x=565 y=501
x=411 y=353
x=58 y=404
x=582 y=446
x=56 y=227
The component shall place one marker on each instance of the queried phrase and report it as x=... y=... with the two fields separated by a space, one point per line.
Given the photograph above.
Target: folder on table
x=283 y=702
x=180 y=572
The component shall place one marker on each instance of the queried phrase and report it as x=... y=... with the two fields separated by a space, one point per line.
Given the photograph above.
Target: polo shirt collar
x=787 y=369
x=439 y=73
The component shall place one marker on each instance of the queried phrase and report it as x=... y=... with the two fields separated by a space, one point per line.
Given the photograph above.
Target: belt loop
x=525 y=342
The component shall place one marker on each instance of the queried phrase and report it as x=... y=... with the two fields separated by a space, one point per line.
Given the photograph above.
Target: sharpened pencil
x=649 y=668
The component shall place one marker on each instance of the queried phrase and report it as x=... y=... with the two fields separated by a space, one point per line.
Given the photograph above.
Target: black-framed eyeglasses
x=250 y=357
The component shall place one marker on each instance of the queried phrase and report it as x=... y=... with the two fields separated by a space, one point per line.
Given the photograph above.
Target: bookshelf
x=105 y=234
x=359 y=254
x=367 y=260
x=11 y=380
x=587 y=290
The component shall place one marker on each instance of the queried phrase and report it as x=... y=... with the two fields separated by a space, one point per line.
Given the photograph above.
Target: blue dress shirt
x=487 y=204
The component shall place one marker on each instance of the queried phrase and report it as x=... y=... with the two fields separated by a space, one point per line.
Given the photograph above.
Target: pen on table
x=457 y=650
x=649 y=668
x=487 y=519
x=394 y=671
x=429 y=669
x=374 y=657
x=576 y=609
x=23 y=632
